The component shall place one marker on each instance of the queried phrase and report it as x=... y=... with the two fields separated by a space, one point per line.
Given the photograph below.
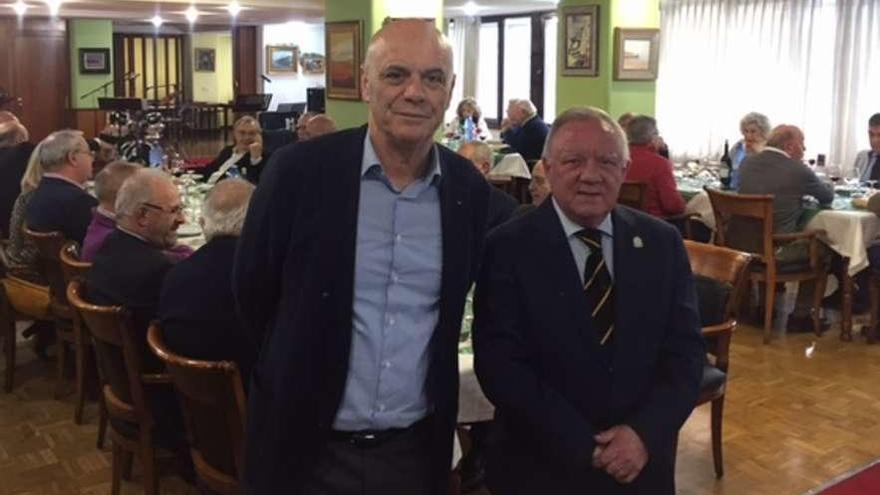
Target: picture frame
x=282 y=59
x=204 y=59
x=636 y=54
x=343 y=65
x=580 y=41
x=312 y=63
x=94 y=60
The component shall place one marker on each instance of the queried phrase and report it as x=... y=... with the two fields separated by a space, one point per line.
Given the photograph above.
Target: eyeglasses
x=174 y=210
x=87 y=152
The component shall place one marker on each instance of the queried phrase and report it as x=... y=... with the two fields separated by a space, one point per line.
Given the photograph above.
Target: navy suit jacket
x=13 y=162
x=248 y=171
x=59 y=205
x=294 y=286
x=539 y=361
x=197 y=310
x=528 y=140
x=501 y=207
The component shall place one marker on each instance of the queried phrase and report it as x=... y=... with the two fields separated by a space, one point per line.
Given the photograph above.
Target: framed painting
x=94 y=60
x=580 y=41
x=343 y=45
x=636 y=53
x=282 y=59
x=204 y=59
x=312 y=63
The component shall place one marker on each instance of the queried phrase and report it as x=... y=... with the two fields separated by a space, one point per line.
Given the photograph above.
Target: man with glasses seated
x=60 y=202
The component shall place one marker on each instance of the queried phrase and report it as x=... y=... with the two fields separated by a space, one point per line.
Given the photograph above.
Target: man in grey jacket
x=779 y=170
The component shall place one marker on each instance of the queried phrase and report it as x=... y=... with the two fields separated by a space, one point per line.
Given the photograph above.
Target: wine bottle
x=726 y=167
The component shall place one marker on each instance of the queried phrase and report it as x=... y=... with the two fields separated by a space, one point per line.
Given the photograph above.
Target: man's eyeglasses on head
x=174 y=210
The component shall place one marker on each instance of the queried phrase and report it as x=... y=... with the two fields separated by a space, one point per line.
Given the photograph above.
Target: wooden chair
x=20 y=300
x=213 y=403
x=517 y=187
x=49 y=247
x=745 y=222
x=132 y=426
x=632 y=194
x=75 y=269
x=726 y=270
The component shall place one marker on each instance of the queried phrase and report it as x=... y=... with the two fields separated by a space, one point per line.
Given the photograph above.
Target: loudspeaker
x=315 y=99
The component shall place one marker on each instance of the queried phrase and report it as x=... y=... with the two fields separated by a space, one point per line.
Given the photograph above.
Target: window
x=487 y=73
x=517 y=65
x=550 y=68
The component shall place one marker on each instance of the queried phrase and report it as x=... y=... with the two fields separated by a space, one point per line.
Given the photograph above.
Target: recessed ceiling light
x=19 y=7
x=157 y=20
x=233 y=8
x=54 y=7
x=191 y=14
x=471 y=9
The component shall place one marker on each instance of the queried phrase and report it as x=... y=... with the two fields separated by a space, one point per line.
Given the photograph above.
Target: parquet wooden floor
x=792 y=422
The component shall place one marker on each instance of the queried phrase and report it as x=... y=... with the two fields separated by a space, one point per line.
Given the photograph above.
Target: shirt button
x=381 y=407
x=395 y=278
x=398 y=238
x=386 y=364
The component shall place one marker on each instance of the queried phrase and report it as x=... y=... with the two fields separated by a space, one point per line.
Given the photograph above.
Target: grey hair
x=225 y=208
x=56 y=147
x=110 y=179
x=525 y=105
x=137 y=190
x=588 y=114
x=641 y=129
x=759 y=120
x=482 y=151
x=12 y=133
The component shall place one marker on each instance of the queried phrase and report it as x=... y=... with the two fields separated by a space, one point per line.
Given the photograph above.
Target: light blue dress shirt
x=398 y=263
x=579 y=249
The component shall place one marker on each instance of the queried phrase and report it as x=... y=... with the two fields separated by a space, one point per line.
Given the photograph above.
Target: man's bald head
x=401 y=30
x=318 y=125
x=788 y=138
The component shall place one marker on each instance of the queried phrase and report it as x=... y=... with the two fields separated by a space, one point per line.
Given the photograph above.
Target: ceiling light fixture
x=54 y=7
x=19 y=7
x=233 y=8
x=157 y=21
x=191 y=14
x=471 y=9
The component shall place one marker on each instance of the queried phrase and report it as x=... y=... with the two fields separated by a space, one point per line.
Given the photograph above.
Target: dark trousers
x=398 y=464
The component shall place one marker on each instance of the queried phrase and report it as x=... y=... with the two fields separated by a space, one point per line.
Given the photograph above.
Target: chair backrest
x=49 y=248
x=743 y=221
x=632 y=194
x=71 y=265
x=213 y=403
x=118 y=356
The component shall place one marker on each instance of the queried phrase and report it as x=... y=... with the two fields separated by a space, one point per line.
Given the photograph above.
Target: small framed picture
x=636 y=53
x=281 y=59
x=204 y=59
x=580 y=41
x=343 y=45
x=94 y=60
x=312 y=63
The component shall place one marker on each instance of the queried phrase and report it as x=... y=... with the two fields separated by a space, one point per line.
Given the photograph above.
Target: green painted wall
x=216 y=86
x=616 y=97
x=371 y=14
x=88 y=33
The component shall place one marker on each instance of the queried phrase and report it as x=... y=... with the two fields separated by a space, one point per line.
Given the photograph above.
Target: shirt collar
x=50 y=175
x=570 y=227
x=776 y=150
x=371 y=159
x=128 y=232
x=104 y=213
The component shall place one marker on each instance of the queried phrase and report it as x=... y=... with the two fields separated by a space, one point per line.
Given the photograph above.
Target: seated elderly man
x=244 y=158
x=15 y=151
x=107 y=184
x=60 y=202
x=501 y=204
x=130 y=266
x=316 y=126
x=196 y=305
x=523 y=130
x=779 y=170
x=661 y=195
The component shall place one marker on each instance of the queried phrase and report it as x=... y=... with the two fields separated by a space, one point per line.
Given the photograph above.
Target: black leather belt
x=373 y=438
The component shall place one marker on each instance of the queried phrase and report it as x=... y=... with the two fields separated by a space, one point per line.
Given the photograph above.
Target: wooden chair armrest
x=794 y=236
x=721 y=328
x=156 y=378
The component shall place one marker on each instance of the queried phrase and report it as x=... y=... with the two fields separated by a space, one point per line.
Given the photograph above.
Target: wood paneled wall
x=244 y=60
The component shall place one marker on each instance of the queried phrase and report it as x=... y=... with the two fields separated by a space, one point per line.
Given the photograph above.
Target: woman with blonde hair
x=468 y=109
x=21 y=254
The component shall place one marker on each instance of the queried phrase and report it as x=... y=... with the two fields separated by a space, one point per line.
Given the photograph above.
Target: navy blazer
x=294 y=286
x=197 y=310
x=528 y=140
x=539 y=361
x=248 y=171
x=59 y=205
x=501 y=207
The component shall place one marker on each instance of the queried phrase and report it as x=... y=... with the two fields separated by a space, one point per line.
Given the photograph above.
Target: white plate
x=189 y=230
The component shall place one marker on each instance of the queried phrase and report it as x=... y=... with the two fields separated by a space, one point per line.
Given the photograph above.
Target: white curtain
x=464 y=35
x=803 y=62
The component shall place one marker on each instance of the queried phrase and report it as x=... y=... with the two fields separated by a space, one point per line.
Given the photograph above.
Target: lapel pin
x=637 y=242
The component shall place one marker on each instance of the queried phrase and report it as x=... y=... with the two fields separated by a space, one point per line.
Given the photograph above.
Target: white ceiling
x=212 y=12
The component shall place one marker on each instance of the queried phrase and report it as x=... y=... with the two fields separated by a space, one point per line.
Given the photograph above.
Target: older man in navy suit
x=587 y=336
x=351 y=272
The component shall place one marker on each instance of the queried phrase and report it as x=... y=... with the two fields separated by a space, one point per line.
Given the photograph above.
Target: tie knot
x=591 y=237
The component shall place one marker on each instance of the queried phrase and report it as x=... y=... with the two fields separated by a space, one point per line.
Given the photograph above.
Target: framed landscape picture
x=312 y=63
x=636 y=53
x=580 y=41
x=204 y=59
x=94 y=60
x=281 y=59
x=343 y=45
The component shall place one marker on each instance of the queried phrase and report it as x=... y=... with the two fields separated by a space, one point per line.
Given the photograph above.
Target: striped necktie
x=598 y=286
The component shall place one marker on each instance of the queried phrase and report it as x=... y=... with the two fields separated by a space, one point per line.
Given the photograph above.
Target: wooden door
x=244 y=60
x=36 y=73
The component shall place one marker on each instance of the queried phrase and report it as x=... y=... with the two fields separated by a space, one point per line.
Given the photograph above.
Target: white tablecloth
x=473 y=406
x=511 y=165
